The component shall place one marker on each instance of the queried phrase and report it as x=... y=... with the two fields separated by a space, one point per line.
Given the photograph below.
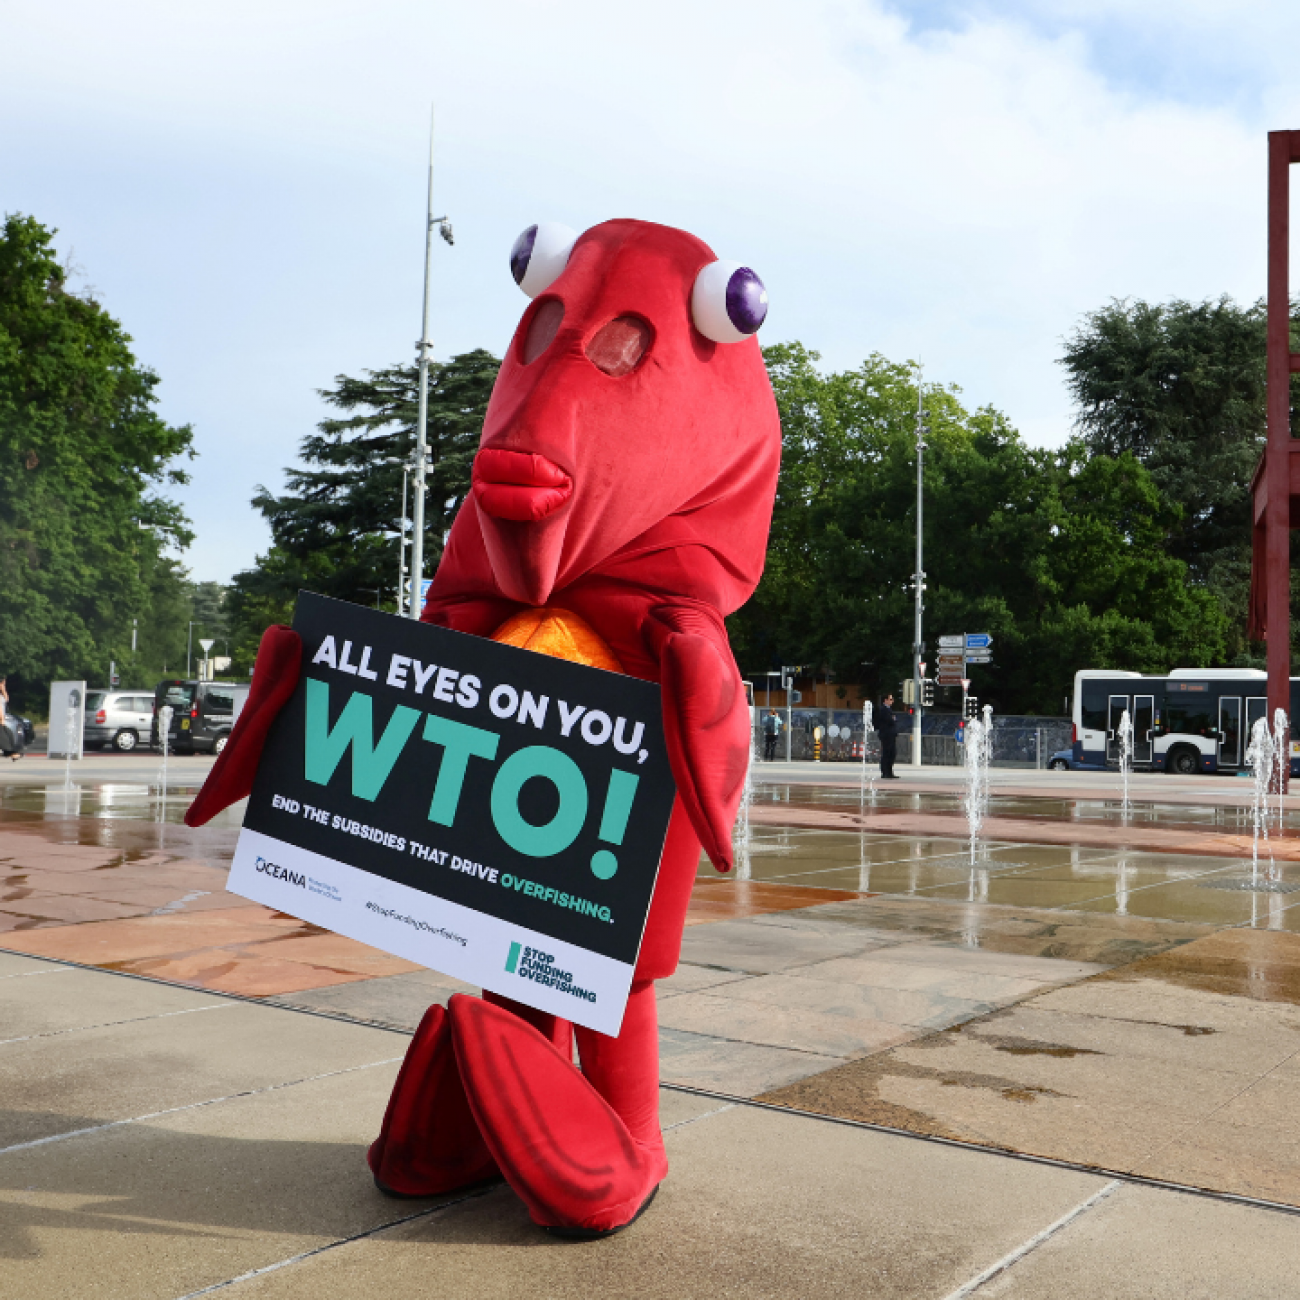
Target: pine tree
x=337 y=528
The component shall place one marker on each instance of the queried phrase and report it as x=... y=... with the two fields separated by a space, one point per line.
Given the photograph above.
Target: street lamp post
x=425 y=346
x=918 y=578
x=405 y=536
x=402 y=597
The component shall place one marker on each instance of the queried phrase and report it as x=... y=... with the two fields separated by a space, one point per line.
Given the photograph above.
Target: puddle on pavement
x=130 y=801
x=1246 y=962
x=128 y=819
x=853 y=1091
x=1107 y=811
x=132 y=821
x=1157 y=886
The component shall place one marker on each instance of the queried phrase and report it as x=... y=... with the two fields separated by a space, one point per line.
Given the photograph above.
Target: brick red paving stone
x=155 y=936
x=250 y=972
x=725 y=900
x=144 y=911
x=252 y=950
x=67 y=909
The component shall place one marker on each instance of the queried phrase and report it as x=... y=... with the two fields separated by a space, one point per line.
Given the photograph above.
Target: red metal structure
x=1275 y=488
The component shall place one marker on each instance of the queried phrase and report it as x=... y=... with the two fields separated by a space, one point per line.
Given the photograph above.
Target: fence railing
x=1017 y=741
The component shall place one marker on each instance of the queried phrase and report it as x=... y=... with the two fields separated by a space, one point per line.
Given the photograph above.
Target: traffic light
x=909 y=691
x=972 y=707
x=927 y=692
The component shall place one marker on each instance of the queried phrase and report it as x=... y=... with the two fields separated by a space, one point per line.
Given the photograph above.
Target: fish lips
x=521 y=498
x=521 y=486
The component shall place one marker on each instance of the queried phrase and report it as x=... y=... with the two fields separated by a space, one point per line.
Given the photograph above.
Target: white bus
x=1193 y=720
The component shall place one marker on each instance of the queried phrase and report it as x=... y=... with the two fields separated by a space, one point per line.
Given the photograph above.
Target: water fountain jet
x=164 y=737
x=868 y=730
x=1125 y=760
x=1281 y=764
x=978 y=756
x=73 y=735
x=741 y=839
x=1260 y=760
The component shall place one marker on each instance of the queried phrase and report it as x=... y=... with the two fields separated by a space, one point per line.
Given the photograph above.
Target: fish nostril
x=617 y=347
x=542 y=329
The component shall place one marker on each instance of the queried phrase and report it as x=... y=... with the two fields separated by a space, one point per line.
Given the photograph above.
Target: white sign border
x=335 y=895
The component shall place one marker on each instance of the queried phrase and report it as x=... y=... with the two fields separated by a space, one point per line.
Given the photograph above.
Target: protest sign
x=491 y=813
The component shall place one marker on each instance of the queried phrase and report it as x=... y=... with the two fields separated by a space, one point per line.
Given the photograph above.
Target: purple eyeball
x=728 y=302
x=540 y=255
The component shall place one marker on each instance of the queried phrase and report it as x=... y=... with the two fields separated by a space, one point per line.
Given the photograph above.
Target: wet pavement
x=1131 y=1012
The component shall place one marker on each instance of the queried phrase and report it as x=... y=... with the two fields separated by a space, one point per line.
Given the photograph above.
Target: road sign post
x=957 y=652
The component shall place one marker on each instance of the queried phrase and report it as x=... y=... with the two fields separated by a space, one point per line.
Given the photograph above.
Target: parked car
x=1064 y=761
x=202 y=713
x=121 y=719
x=18 y=728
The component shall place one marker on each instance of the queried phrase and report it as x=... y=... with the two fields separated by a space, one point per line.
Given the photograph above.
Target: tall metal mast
x=918 y=578
x=425 y=345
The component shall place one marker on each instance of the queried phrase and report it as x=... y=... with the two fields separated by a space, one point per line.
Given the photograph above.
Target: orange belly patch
x=559 y=633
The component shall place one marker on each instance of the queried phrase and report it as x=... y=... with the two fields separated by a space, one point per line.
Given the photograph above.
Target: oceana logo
x=281 y=873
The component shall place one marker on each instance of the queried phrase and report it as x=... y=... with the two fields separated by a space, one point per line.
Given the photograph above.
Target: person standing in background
x=771 y=730
x=887 y=730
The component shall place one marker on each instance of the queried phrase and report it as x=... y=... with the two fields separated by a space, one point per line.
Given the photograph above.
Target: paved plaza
x=1066 y=1062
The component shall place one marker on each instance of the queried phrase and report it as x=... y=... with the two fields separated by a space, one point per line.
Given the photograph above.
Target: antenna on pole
x=425 y=346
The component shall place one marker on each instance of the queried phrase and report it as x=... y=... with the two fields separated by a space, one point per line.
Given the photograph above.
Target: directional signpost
x=956 y=652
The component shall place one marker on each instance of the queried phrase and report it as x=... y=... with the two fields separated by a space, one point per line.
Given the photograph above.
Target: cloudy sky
x=951 y=182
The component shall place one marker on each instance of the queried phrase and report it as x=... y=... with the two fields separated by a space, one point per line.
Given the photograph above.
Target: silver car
x=118 y=718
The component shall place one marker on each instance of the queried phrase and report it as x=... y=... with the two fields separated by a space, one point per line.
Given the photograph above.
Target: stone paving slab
x=753 y=1016
x=80 y=999
x=166 y=1206
x=12 y=964
x=934 y=976
x=802 y=994
x=1159 y=1246
x=756 y=1205
x=96 y=1075
x=735 y=1067
x=399 y=1001
x=1249 y=1146
x=258 y=1163
x=1184 y=1078
x=741 y=946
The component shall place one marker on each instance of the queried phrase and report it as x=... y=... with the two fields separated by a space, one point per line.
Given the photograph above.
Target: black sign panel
x=518 y=786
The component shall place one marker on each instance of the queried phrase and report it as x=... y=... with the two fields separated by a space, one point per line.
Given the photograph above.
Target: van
x=202 y=713
x=122 y=719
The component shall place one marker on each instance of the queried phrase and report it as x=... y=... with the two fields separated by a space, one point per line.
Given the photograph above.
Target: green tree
x=1181 y=386
x=84 y=534
x=1060 y=555
x=337 y=528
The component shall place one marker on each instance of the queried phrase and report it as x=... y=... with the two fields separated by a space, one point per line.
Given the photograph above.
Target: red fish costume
x=621 y=500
